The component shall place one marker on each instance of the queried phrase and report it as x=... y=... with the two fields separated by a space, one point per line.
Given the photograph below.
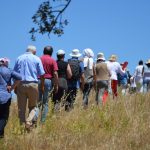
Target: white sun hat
x=75 y=53
x=100 y=56
x=60 y=52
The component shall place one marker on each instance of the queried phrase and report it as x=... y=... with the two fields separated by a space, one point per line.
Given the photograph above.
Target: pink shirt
x=49 y=65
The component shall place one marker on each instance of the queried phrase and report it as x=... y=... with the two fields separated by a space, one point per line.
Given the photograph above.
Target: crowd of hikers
x=34 y=78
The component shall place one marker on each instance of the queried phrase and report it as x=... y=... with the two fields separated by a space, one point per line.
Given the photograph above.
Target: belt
x=27 y=82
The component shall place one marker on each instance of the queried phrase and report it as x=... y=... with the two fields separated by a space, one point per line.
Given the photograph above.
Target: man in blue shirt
x=74 y=82
x=6 y=75
x=30 y=67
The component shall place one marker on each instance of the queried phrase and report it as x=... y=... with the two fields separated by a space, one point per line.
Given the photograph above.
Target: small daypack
x=88 y=73
x=75 y=68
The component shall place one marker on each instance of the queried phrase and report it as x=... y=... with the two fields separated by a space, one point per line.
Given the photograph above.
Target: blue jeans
x=43 y=98
x=86 y=92
x=146 y=86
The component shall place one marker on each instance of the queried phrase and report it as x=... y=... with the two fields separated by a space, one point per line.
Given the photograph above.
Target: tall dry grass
x=121 y=124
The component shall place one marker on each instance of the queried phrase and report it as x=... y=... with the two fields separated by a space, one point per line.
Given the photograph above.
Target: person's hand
x=9 y=88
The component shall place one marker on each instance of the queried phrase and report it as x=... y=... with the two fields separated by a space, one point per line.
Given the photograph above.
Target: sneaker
x=28 y=126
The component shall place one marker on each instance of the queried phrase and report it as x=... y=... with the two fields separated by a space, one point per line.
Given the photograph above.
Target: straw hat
x=75 y=53
x=100 y=56
x=148 y=62
x=113 y=58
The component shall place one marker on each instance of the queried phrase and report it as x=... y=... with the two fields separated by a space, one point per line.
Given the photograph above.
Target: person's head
x=88 y=53
x=75 y=53
x=31 y=49
x=60 y=54
x=141 y=62
x=48 y=50
x=113 y=58
x=100 y=57
x=148 y=63
x=4 y=61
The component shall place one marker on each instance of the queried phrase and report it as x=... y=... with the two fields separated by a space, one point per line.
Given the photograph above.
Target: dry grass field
x=121 y=124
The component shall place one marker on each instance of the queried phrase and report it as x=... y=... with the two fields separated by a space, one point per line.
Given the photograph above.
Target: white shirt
x=138 y=71
x=114 y=68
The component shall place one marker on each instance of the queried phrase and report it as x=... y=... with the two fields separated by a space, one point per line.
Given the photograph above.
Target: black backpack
x=75 y=68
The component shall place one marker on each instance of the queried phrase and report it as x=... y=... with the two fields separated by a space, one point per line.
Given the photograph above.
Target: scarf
x=88 y=62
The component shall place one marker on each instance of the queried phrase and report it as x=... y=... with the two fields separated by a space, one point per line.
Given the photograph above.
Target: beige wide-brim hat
x=148 y=62
x=113 y=58
x=75 y=53
x=100 y=56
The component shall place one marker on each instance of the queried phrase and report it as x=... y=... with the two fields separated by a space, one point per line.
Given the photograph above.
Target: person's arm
x=17 y=78
x=13 y=87
x=82 y=78
x=55 y=74
x=42 y=83
x=120 y=70
x=135 y=73
x=40 y=69
x=94 y=76
x=143 y=71
x=69 y=72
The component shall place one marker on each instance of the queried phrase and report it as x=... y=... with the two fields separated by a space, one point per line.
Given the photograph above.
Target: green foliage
x=49 y=18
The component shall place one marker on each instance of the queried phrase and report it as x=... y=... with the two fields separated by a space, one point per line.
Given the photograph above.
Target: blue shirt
x=76 y=84
x=29 y=66
x=6 y=75
x=123 y=79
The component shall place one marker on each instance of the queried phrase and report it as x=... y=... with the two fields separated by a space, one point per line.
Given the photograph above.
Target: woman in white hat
x=77 y=76
x=146 y=77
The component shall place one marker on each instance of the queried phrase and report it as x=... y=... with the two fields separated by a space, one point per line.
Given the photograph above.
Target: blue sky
x=120 y=27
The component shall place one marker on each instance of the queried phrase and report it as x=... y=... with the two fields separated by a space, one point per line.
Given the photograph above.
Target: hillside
x=121 y=124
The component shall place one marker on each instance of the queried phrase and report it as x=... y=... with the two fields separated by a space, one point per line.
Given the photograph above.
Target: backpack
x=88 y=73
x=75 y=68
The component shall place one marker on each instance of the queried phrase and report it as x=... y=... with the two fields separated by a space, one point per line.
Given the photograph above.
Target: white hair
x=31 y=48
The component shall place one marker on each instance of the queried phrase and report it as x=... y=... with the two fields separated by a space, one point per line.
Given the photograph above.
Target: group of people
x=34 y=79
x=140 y=81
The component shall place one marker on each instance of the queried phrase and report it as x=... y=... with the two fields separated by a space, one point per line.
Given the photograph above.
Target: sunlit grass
x=123 y=123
